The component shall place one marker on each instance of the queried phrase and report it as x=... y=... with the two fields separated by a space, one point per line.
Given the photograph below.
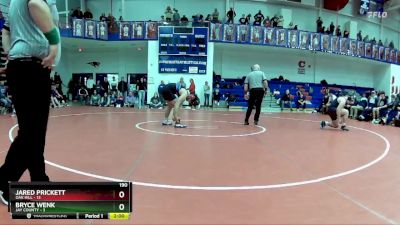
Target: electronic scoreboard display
x=66 y=200
x=183 y=49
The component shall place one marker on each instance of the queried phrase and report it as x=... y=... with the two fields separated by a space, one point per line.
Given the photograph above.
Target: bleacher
x=312 y=91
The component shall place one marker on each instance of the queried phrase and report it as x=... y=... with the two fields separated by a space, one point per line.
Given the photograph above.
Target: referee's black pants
x=30 y=88
x=256 y=97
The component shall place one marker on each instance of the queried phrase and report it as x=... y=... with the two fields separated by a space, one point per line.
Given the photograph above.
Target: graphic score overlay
x=70 y=200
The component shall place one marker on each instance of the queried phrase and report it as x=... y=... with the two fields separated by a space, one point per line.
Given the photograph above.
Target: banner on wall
x=387 y=54
x=216 y=32
x=361 y=49
x=281 y=35
x=375 y=52
x=229 y=33
x=315 y=41
x=102 y=31
x=269 y=36
x=151 y=30
x=344 y=46
x=125 y=30
x=304 y=40
x=182 y=64
x=381 y=53
x=78 y=28
x=137 y=30
x=256 y=34
x=335 y=44
x=368 y=50
x=326 y=43
x=90 y=29
x=243 y=32
x=353 y=51
x=293 y=39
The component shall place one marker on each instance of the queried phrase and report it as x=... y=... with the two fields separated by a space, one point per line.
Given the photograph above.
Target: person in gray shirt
x=255 y=86
x=30 y=40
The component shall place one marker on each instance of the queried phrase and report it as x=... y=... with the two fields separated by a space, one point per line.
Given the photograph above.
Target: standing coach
x=255 y=85
x=30 y=39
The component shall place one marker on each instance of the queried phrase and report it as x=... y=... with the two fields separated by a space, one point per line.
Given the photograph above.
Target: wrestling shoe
x=166 y=123
x=246 y=123
x=344 y=128
x=178 y=125
x=255 y=122
x=323 y=124
x=4 y=196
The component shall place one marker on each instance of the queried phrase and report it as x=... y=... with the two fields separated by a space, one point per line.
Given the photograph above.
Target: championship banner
x=344 y=46
x=393 y=56
x=387 y=54
x=335 y=45
x=315 y=41
x=216 y=32
x=361 y=49
x=102 y=31
x=375 y=52
x=182 y=64
x=137 y=30
x=398 y=56
x=381 y=53
x=281 y=35
x=304 y=40
x=124 y=30
x=293 y=39
x=353 y=48
x=229 y=33
x=326 y=43
x=269 y=36
x=78 y=28
x=243 y=33
x=368 y=50
x=90 y=29
x=151 y=30
x=256 y=34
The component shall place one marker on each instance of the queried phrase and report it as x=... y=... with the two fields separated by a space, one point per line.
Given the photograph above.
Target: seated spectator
x=323 y=108
x=194 y=101
x=358 y=107
x=5 y=102
x=394 y=111
x=380 y=109
x=258 y=18
x=366 y=115
x=231 y=98
x=286 y=99
x=120 y=101
x=155 y=102
x=88 y=15
x=208 y=18
x=130 y=100
x=301 y=101
x=57 y=100
x=105 y=100
x=95 y=99
x=83 y=95
x=216 y=94
x=113 y=98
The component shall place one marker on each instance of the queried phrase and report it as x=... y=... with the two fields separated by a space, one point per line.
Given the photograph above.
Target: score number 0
x=121 y=195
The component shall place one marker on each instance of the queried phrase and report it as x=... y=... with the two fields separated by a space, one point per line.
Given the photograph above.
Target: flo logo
x=380 y=15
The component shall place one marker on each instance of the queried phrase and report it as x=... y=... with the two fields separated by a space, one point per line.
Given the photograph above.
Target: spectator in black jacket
x=231 y=15
x=286 y=99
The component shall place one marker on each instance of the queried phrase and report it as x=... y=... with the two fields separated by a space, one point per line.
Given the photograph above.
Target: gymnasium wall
x=303 y=16
x=235 y=61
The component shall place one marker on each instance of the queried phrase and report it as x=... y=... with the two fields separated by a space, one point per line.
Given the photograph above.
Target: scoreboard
x=183 y=49
x=66 y=200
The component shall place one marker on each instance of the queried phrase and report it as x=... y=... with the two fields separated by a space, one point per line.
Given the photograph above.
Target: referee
x=255 y=85
x=30 y=39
